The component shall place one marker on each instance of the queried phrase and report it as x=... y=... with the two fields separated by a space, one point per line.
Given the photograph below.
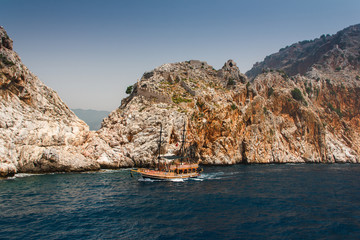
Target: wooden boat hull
x=162 y=175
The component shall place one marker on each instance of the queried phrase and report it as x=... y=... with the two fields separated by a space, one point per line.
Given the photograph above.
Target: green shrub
x=233 y=106
x=270 y=92
x=338 y=112
x=297 y=95
x=200 y=104
x=317 y=91
x=6 y=61
x=231 y=82
x=178 y=99
x=338 y=69
x=331 y=107
x=265 y=110
x=129 y=90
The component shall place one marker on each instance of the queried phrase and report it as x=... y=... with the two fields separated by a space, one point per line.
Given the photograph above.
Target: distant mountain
x=332 y=52
x=93 y=118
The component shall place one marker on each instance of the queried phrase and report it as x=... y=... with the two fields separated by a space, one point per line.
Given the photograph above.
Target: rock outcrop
x=273 y=119
x=38 y=132
x=299 y=105
x=300 y=57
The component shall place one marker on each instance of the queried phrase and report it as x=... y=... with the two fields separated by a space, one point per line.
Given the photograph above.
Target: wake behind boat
x=171 y=166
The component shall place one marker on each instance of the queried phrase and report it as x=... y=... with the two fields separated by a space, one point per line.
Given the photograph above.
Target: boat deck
x=183 y=171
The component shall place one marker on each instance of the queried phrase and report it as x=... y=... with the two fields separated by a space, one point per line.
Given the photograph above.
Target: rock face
x=274 y=119
x=38 y=132
x=300 y=57
x=300 y=105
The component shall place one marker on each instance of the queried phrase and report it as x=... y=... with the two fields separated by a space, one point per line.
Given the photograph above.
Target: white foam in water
x=177 y=180
x=211 y=176
x=147 y=180
x=159 y=180
x=21 y=175
x=197 y=179
x=202 y=177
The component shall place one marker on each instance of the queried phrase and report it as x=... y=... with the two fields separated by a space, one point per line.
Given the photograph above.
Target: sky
x=90 y=51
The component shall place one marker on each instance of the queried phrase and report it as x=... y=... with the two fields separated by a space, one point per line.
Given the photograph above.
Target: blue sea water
x=304 y=201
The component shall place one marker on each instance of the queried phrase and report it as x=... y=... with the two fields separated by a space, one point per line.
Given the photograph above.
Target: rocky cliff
x=273 y=119
x=38 y=132
x=299 y=105
x=330 y=52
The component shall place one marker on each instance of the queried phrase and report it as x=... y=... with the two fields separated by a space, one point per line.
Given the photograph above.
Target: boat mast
x=159 y=146
x=182 y=153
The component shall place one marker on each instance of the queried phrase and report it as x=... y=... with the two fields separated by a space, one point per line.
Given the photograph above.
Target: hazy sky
x=89 y=51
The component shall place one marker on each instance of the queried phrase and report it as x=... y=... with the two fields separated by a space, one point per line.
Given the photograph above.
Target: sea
x=300 y=201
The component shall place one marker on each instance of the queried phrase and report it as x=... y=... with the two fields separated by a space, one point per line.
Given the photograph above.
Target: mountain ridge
x=296 y=110
x=298 y=58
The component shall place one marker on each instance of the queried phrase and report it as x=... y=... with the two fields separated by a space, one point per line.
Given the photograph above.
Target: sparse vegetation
x=358 y=77
x=177 y=99
x=270 y=92
x=308 y=90
x=337 y=110
x=271 y=132
x=6 y=61
x=200 y=104
x=129 y=90
x=231 y=81
x=317 y=91
x=297 y=95
x=283 y=74
x=265 y=110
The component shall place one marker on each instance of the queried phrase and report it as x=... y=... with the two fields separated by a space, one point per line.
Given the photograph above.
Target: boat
x=170 y=167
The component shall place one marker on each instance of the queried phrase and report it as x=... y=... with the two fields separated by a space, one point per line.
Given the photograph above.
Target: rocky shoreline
x=269 y=116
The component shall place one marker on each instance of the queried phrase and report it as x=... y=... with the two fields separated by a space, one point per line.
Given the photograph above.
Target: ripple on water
x=251 y=202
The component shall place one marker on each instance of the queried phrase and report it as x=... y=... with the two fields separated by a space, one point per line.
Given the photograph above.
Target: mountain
x=275 y=118
x=299 y=105
x=93 y=118
x=336 y=52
